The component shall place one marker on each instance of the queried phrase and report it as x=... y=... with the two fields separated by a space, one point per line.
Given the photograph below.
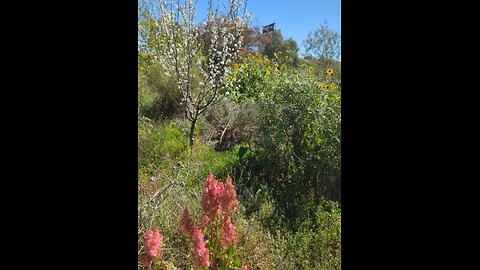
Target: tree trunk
x=192 y=129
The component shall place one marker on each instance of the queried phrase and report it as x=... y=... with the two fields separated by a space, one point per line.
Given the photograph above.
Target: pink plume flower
x=229 y=200
x=200 y=251
x=228 y=234
x=186 y=225
x=211 y=196
x=152 y=245
x=153 y=242
x=244 y=268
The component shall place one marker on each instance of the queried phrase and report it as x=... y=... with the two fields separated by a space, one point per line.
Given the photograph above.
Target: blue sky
x=295 y=18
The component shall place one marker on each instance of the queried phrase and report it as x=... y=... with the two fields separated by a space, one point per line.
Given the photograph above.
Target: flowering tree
x=169 y=34
x=218 y=202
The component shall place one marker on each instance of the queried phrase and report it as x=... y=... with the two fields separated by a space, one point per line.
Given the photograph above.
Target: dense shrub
x=297 y=156
x=231 y=123
x=300 y=127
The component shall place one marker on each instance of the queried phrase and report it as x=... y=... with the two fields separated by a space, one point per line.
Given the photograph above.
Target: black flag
x=268 y=28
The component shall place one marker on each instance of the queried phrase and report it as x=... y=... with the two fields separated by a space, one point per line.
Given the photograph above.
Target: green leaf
x=237 y=262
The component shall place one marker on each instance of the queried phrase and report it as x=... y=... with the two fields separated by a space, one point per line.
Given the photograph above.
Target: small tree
x=174 y=39
x=323 y=44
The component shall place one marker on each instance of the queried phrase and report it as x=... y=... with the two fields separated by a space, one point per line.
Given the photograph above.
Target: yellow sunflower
x=330 y=71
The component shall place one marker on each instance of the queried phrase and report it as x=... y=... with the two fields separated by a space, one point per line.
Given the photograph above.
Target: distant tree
x=324 y=44
x=273 y=42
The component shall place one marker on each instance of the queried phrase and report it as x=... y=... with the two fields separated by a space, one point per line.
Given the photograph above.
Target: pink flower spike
x=229 y=200
x=186 y=225
x=211 y=196
x=153 y=242
x=201 y=254
x=228 y=234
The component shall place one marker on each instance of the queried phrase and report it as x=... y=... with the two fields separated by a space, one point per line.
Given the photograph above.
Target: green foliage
x=163 y=150
x=158 y=94
x=300 y=126
x=325 y=45
x=157 y=145
x=297 y=155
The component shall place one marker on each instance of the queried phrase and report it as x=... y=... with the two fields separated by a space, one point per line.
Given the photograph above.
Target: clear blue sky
x=295 y=18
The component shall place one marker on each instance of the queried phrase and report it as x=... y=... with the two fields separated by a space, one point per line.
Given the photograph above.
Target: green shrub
x=158 y=94
x=300 y=125
x=297 y=154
